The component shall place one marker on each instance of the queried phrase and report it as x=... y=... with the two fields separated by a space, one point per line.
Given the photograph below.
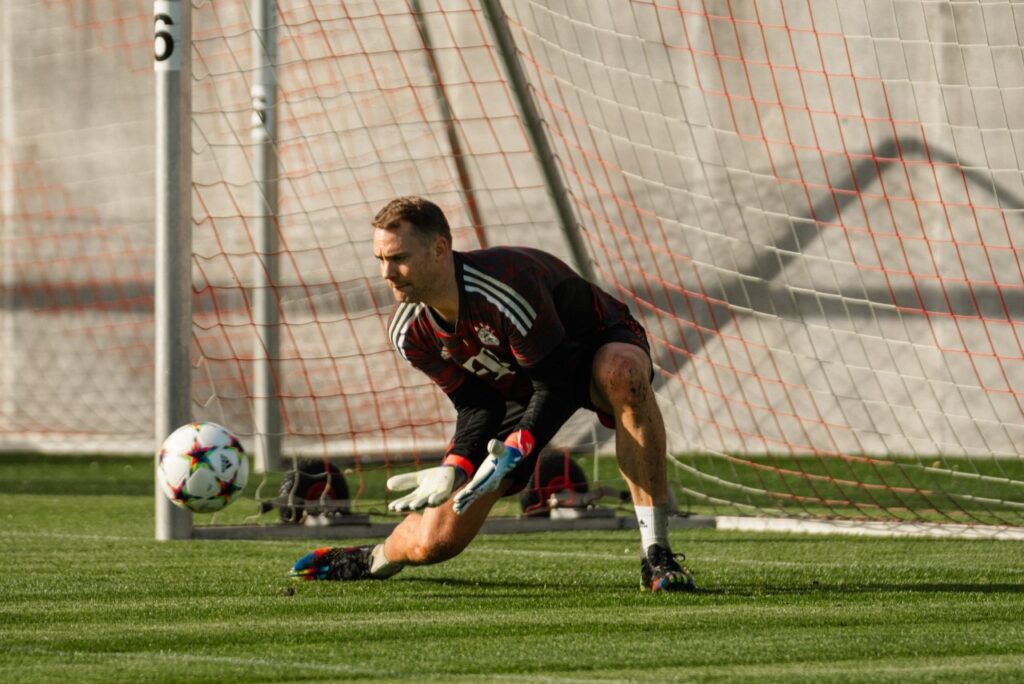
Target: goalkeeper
x=518 y=341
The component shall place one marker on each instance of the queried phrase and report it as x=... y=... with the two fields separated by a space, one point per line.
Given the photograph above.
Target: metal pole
x=266 y=406
x=465 y=183
x=534 y=127
x=8 y=330
x=173 y=282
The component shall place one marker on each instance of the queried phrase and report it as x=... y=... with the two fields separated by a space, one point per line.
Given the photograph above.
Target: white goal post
x=172 y=66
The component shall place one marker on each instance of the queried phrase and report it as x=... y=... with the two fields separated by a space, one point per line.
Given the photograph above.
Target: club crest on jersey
x=445 y=354
x=487 y=335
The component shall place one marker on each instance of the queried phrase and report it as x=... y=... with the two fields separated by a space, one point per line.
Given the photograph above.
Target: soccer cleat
x=660 y=571
x=334 y=563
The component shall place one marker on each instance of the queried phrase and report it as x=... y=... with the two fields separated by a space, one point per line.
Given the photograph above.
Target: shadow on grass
x=542 y=586
x=494 y=588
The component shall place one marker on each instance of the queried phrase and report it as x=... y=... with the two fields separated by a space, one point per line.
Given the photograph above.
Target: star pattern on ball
x=228 y=489
x=203 y=467
x=200 y=455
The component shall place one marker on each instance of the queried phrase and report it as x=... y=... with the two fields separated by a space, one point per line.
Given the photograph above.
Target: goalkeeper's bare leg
x=438 y=534
x=435 y=535
x=621 y=387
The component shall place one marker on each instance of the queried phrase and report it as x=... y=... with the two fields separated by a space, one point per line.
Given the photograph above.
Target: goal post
x=173 y=212
x=267 y=414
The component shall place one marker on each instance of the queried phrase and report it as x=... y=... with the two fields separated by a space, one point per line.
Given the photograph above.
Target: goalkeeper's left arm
x=502 y=459
x=551 y=387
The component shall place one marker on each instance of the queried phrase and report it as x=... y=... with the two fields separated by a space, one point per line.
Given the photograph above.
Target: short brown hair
x=425 y=216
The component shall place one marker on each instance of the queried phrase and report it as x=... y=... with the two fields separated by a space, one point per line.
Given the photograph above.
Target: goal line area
x=724 y=523
x=584 y=491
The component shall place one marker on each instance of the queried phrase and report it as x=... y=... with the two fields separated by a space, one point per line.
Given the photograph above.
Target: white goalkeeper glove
x=501 y=460
x=433 y=487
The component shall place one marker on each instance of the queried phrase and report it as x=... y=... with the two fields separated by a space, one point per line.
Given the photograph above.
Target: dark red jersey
x=516 y=305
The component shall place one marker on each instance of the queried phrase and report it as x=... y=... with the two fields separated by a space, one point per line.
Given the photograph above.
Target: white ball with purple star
x=202 y=467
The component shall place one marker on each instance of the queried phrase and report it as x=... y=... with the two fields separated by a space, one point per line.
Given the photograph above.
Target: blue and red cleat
x=334 y=563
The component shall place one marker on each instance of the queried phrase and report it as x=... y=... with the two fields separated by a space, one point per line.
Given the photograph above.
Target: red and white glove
x=501 y=460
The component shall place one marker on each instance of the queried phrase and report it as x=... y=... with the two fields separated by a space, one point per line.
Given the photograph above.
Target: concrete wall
x=76 y=177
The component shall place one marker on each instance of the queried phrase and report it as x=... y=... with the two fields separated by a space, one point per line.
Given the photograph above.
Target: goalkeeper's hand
x=433 y=487
x=501 y=460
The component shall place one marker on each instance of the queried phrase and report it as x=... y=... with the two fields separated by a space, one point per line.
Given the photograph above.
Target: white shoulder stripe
x=499 y=299
x=512 y=316
x=502 y=287
x=515 y=308
x=399 y=328
x=475 y=285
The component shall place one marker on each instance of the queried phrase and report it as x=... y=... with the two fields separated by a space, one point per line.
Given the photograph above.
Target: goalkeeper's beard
x=400 y=294
x=427 y=290
x=408 y=293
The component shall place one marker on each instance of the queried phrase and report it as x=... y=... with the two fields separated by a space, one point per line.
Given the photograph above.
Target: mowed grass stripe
x=257 y=669
x=879 y=669
x=781 y=654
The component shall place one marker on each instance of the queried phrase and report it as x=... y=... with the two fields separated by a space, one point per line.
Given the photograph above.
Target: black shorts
x=629 y=331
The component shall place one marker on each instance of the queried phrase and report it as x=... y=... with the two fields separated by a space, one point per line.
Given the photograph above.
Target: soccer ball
x=202 y=467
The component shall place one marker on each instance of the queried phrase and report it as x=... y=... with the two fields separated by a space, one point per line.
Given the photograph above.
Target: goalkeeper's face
x=412 y=264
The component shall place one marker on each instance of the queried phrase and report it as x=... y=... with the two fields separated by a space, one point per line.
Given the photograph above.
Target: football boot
x=660 y=571
x=334 y=563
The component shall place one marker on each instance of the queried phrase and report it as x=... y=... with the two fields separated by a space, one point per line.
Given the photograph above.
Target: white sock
x=380 y=566
x=653 y=522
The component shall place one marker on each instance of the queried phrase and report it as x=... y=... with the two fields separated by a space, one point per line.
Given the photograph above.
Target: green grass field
x=87 y=595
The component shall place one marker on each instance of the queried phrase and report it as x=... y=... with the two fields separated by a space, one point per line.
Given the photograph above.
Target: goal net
x=814 y=207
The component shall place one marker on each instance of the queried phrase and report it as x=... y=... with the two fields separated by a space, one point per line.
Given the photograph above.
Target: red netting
x=815 y=209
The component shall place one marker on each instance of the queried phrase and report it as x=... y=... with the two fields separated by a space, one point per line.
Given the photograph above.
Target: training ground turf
x=87 y=595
